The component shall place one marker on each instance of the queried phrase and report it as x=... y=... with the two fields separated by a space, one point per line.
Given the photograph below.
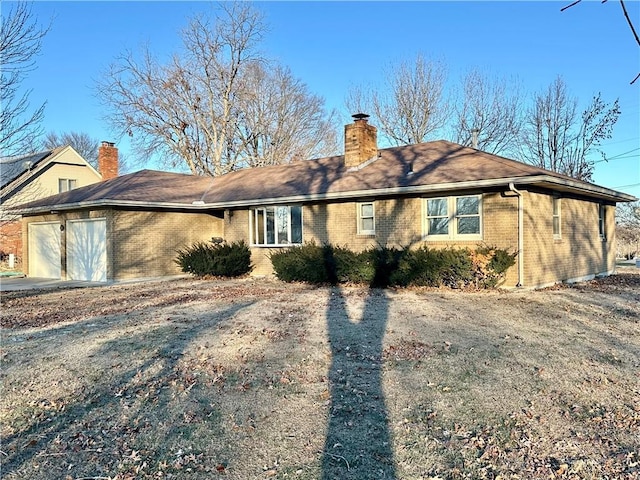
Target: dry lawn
x=250 y=379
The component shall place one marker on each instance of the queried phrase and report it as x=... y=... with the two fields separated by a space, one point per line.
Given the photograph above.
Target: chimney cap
x=360 y=116
x=108 y=144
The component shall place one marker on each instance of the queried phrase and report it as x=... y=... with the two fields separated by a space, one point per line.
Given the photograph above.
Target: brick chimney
x=360 y=141
x=108 y=160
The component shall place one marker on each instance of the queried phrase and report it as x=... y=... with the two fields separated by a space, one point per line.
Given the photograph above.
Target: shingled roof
x=12 y=167
x=423 y=168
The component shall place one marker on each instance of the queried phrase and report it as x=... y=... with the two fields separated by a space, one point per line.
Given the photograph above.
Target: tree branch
x=626 y=16
x=569 y=6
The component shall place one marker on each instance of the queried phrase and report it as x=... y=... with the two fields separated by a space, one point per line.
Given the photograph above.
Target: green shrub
x=218 y=259
x=349 y=267
x=304 y=263
x=384 y=262
x=389 y=266
x=426 y=267
x=457 y=268
x=420 y=267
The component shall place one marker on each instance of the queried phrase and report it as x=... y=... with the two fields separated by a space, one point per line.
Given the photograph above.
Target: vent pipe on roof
x=474 y=137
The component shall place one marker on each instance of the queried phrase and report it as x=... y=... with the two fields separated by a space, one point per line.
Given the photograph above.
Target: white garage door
x=87 y=250
x=44 y=250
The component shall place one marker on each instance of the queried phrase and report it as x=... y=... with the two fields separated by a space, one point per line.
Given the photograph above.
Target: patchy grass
x=248 y=379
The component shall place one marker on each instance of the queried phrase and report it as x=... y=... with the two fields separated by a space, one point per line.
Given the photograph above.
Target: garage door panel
x=44 y=250
x=87 y=250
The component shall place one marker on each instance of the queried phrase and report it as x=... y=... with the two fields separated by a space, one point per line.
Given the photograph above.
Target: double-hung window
x=438 y=217
x=366 y=219
x=66 y=184
x=276 y=226
x=602 y=221
x=557 y=218
x=454 y=217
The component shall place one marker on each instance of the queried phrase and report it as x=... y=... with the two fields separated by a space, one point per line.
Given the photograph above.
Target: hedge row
x=484 y=267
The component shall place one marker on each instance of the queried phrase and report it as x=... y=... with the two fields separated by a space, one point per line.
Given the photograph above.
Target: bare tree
x=200 y=108
x=492 y=107
x=81 y=142
x=555 y=137
x=20 y=42
x=628 y=228
x=412 y=103
x=281 y=121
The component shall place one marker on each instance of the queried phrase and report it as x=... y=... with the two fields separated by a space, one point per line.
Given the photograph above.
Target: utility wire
x=620 y=154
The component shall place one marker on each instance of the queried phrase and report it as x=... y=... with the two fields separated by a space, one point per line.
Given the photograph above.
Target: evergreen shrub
x=217 y=259
x=389 y=266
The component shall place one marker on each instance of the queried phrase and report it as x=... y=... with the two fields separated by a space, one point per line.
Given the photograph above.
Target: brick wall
x=578 y=253
x=11 y=237
x=145 y=244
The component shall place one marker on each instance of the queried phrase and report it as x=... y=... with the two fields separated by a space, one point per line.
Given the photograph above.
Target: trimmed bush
x=385 y=262
x=217 y=259
x=425 y=267
x=305 y=263
x=389 y=266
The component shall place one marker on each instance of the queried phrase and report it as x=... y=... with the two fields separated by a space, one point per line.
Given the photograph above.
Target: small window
x=276 y=226
x=454 y=217
x=602 y=221
x=557 y=232
x=66 y=184
x=366 y=219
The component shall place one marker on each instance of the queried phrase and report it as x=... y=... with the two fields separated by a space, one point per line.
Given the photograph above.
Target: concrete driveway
x=8 y=284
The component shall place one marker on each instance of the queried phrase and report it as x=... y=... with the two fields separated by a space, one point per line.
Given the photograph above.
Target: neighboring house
x=436 y=193
x=26 y=178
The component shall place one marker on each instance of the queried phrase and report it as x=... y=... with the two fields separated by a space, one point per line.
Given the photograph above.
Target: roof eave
x=576 y=186
x=547 y=181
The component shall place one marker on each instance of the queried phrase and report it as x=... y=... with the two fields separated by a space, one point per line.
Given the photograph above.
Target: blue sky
x=332 y=46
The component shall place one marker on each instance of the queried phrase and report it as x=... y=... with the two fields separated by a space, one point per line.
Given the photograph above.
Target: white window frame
x=254 y=218
x=556 y=214
x=361 y=217
x=452 y=219
x=426 y=218
x=67 y=184
x=602 y=221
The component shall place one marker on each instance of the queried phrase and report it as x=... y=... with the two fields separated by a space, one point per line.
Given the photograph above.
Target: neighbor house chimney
x=360 y=141
x=108 y=160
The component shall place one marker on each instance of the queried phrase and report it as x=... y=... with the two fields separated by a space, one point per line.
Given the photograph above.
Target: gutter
x=520 y=234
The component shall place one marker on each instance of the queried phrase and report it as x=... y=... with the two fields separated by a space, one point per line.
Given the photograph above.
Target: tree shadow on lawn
x=100 y=432
x=358 y=442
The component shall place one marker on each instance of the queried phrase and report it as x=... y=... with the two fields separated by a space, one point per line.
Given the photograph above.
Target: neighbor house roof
x=13 y=167
x=425 y=168
x=18 y=171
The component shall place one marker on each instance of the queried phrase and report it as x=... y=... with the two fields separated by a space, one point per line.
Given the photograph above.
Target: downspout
x=520 y=235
